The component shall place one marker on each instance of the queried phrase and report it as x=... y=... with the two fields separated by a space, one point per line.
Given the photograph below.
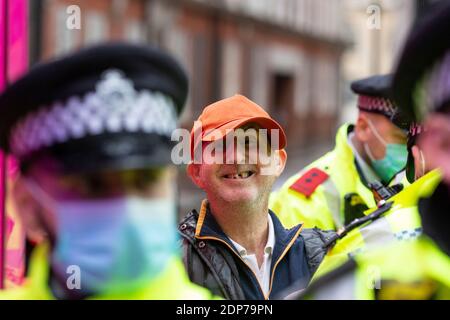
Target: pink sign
x=2 y=218
x=17 y=38
x=2 y=43
x=3 y=72
x=13 y=62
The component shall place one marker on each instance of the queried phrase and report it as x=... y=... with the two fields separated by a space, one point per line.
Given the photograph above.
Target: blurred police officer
x=92 y=134
x=417 y=269
x=334 y=190
x=422 y=86
x=396 y=219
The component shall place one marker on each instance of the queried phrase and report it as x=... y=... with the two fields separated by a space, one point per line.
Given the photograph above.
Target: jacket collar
x=208 y=228
x=345 y=152
x=270 y=245
x=342 y=147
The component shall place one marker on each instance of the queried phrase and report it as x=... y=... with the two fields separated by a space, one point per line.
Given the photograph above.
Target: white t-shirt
x=263 y=273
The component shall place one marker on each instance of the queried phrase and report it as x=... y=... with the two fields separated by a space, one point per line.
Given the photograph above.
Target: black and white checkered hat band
x=115 y=106
x=415 y=129
x=438 y=86
x=377 y=104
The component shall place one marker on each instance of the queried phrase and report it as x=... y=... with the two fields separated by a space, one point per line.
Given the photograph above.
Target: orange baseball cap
x=231 y=113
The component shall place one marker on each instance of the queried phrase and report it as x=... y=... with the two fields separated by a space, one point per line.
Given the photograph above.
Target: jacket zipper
x=220 y=240
x=282 y=256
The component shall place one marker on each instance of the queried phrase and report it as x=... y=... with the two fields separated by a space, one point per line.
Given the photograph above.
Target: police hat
x=112 y=106
x=374 y=95
x=421 y=83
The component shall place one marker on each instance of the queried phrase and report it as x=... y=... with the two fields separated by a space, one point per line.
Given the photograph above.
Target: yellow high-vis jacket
x=415 y=270
x=399 y=223
x=329 y=192
x=172 y=284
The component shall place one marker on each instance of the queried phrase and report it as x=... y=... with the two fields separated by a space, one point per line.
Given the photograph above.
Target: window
x=95 y=29
x=135 y=31
x=65 y=39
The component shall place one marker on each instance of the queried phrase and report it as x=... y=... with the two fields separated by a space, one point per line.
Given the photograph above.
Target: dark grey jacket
x=212 y=262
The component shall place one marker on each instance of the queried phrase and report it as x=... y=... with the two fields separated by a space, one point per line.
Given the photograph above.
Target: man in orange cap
x=236 y=246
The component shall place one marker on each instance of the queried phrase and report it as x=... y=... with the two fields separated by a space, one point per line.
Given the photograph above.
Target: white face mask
x=117 y=244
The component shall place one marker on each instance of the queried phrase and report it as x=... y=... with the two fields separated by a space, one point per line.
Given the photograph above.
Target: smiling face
x=238 y=173
x=234 y=183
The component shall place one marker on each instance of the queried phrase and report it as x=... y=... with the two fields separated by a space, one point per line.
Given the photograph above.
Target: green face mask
x=394 y=160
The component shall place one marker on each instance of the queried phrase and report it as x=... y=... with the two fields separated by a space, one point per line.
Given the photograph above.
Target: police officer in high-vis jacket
x=335 y=189
x=418 y=269
x=92 y=132
x=396 y=219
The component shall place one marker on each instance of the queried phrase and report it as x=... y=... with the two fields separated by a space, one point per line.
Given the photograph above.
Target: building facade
x=283 y=54
x=378 y=29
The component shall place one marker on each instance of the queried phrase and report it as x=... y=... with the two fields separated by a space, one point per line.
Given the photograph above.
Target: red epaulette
x=309 y=181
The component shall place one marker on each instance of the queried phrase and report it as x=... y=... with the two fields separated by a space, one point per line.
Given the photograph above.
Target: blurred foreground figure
x=97 y=190
x=417 y=269
x=337 y=188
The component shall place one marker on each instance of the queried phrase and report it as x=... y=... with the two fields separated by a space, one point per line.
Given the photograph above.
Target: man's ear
x=362 y=129
x=281 y=162
x=193 y=171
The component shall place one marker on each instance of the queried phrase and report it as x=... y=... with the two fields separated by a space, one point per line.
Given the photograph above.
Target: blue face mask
x=117 y=245
x=394 y=160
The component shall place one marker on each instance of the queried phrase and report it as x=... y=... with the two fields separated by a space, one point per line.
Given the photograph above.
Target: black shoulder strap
x=357 y=223
x=324 y=281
